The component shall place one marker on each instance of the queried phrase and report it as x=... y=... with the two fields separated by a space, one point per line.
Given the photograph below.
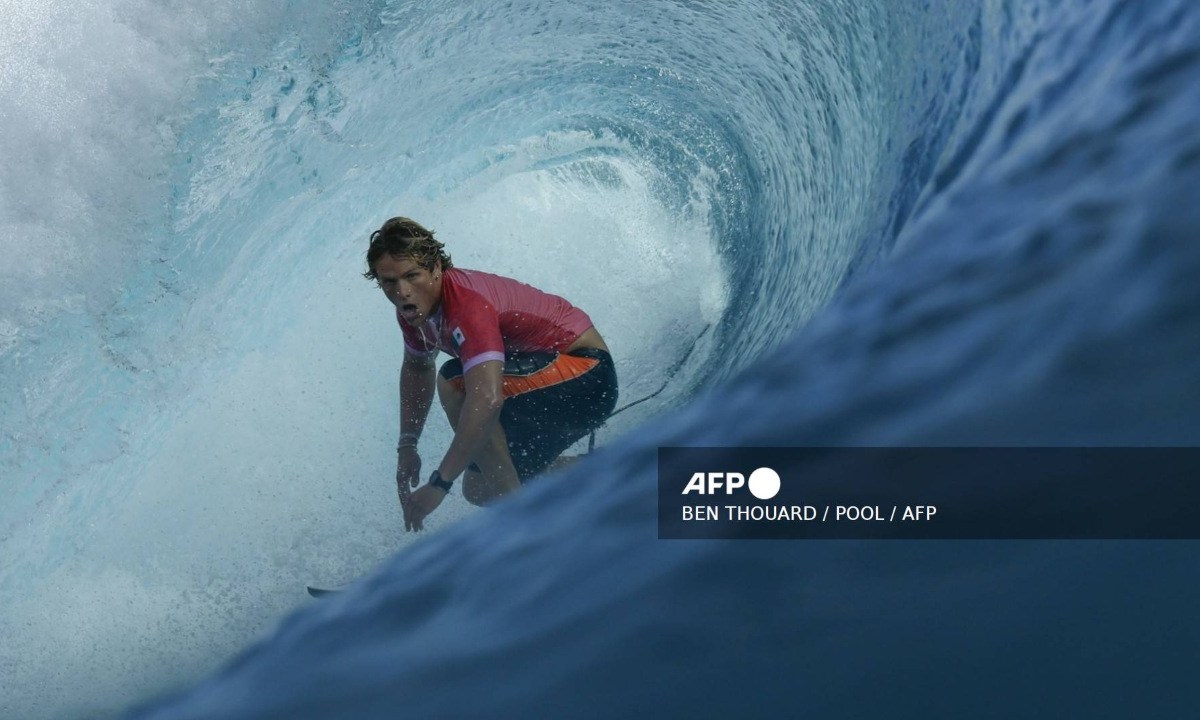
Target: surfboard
x=321 y=592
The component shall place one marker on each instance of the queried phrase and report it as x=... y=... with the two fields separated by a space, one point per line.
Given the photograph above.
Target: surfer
x=528 y=377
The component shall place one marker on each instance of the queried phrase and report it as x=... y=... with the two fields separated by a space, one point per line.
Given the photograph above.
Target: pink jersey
x=483 y=316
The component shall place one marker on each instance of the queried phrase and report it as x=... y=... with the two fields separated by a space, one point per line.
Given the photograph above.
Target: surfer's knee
x=480 y=488
x=474 y=489
x=450 y=388
x=451 y=396
x=473 y=494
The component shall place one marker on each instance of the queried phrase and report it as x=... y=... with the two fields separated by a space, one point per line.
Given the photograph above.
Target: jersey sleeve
x=474 y=331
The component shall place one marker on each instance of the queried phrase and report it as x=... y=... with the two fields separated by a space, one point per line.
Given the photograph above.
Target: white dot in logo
x=764 y=483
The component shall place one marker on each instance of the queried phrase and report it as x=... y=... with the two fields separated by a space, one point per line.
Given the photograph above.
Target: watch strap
x=436 y=480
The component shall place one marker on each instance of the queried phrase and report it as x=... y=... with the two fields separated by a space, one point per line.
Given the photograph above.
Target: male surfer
x=529 y=376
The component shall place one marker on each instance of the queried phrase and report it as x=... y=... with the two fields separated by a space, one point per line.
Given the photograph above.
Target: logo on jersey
x=458 y=337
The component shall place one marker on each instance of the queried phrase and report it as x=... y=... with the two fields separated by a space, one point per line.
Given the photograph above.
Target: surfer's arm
x=480 y=413
x=417 y=376
x=417 y=382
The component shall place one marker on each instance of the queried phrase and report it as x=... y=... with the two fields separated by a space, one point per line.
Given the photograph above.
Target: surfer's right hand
x=408 y=476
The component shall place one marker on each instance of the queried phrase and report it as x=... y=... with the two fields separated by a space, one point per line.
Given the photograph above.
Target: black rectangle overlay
x=930 y=493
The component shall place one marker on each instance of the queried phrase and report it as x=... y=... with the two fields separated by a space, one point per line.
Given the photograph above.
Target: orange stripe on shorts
x=564 y=368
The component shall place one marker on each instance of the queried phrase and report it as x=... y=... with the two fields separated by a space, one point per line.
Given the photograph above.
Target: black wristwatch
x=436 y=480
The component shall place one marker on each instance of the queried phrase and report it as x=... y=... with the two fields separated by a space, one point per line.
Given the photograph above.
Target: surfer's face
x=415 y=291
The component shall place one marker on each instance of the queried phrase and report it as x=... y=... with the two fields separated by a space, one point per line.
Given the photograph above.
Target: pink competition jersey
x=483 y=316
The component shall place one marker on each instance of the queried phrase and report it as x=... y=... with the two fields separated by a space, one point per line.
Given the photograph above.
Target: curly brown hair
x=402 y=237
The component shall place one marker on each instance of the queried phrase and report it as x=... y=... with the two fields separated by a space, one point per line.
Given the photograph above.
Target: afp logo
x=763 y=483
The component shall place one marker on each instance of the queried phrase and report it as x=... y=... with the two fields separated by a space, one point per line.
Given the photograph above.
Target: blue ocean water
x=817 y=222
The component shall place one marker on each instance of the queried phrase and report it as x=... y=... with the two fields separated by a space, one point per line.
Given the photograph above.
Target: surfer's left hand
x=423 y=501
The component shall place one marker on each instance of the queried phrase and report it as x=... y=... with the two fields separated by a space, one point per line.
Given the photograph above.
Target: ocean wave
x=816 y=223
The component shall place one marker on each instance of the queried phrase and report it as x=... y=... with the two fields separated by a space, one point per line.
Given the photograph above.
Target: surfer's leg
x=546 y=421
x=551 y=401
x=492 y=473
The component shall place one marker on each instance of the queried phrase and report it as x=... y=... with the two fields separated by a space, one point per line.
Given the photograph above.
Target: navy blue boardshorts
x=551 y=401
